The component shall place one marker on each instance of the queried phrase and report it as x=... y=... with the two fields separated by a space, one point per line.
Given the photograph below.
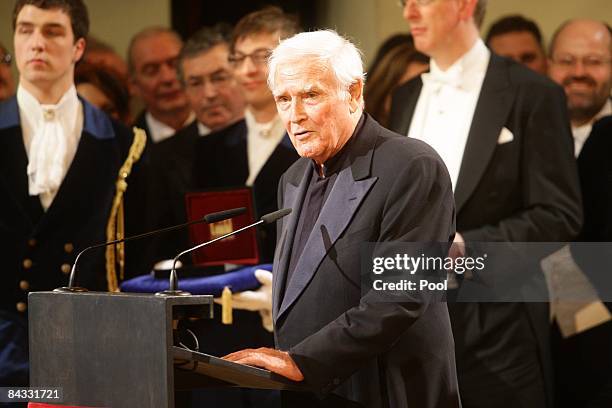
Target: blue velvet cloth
x=238 y=280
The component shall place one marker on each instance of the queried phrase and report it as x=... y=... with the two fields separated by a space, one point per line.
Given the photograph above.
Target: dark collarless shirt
x=321 y=182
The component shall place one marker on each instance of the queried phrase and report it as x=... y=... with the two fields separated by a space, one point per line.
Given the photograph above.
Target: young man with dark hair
x=59 y=159
x=254 y=151
x=518 y=38
x=499 y=128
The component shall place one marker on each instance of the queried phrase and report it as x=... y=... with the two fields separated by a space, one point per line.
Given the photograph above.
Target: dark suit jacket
x=39 y=247
x=221 y=161
x=525 y=190
x=172 y=175
x=375 y=354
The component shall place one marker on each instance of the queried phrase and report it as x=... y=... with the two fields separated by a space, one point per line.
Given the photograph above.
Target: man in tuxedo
x=152 y=58
x=581 y=61
x=255 y=151
x=520 y=39
x=59 y=159
x=502 y=131
x=356 y=182
x=217 y=101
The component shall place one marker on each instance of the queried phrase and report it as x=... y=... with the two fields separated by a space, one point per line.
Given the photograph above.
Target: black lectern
x=118 y=350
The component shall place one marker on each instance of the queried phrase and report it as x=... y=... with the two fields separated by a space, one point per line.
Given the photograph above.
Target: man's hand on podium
x=259 y=300
x=279 y=362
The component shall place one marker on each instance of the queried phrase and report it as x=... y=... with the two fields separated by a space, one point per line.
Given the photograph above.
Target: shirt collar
x=203 y=130
x=465 y=71
x=264 y=130
x=36 y=113
x=159 y=130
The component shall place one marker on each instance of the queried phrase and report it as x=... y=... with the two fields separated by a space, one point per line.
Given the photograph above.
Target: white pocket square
x=505 y=136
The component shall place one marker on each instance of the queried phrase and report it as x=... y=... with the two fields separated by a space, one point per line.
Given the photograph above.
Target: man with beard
x=580 y=55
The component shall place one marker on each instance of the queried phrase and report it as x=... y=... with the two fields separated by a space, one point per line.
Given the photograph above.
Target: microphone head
x=276 y=215
x=224 y=215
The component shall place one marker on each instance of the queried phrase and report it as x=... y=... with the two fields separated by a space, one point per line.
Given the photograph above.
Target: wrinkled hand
x=279 y=362
x=259 y=300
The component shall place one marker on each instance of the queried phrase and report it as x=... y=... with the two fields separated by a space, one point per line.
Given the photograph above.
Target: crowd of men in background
x=211 y=122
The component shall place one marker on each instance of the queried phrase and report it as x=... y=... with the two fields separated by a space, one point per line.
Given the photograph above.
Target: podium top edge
x=192 y=299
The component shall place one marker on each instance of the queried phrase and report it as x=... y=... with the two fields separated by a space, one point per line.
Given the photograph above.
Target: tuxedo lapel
x=490 y=116
x=337 y=212
x=293 y=198
x=409 y=103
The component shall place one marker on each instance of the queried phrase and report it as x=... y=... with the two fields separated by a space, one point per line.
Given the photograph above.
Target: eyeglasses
x=402 y=3
x=258 y=57
x=6 y=59
x=589 y=61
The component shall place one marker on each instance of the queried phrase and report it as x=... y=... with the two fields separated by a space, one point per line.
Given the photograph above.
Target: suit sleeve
x=419 y=207
x=551 y=208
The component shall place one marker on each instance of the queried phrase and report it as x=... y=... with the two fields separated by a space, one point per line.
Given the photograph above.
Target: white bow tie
x=438 y=78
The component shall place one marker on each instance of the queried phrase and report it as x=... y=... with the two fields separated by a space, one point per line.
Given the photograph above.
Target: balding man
x=152 y=57
x=355 y=182
x=580 y=61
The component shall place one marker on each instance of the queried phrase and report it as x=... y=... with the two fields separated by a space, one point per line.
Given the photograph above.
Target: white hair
x=324 y=47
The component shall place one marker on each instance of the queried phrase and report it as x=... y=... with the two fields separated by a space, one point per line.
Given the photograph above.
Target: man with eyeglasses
x=580 y=53
x=255 y=151
x=580 y=61
x=503 y=133
x=7 y=84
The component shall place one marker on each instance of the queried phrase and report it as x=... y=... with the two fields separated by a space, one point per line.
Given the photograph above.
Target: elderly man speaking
x=356 y=182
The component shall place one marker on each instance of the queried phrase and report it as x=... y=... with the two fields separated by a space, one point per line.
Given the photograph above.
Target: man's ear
x=355 y=92
x=79 y=50
x=467 y=8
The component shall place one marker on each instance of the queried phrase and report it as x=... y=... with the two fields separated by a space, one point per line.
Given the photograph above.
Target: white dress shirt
x=51 y=135
x=446 y=105
x=581 y=133
x=262 y=139
x=159 y=130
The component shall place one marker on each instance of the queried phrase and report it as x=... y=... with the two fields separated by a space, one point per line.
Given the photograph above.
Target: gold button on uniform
x=21 y=306
x=24 y=285
x=27 y=263
x=65 y=269
x=32 y=242
x=68 y=247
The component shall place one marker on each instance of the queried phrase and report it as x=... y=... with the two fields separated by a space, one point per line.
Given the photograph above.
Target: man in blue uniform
x=59 y=158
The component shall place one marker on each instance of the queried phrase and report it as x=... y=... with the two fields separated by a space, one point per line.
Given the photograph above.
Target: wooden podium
x=118 y=350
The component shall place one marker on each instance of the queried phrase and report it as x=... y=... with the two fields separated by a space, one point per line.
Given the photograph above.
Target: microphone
x=208 y=218
x=265 y=219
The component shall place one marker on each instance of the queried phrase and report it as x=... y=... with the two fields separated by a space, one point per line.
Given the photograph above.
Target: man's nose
x=37 y=41
x=297 y=111
x=168 y=73
x=410 y=11
x=210 y=90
